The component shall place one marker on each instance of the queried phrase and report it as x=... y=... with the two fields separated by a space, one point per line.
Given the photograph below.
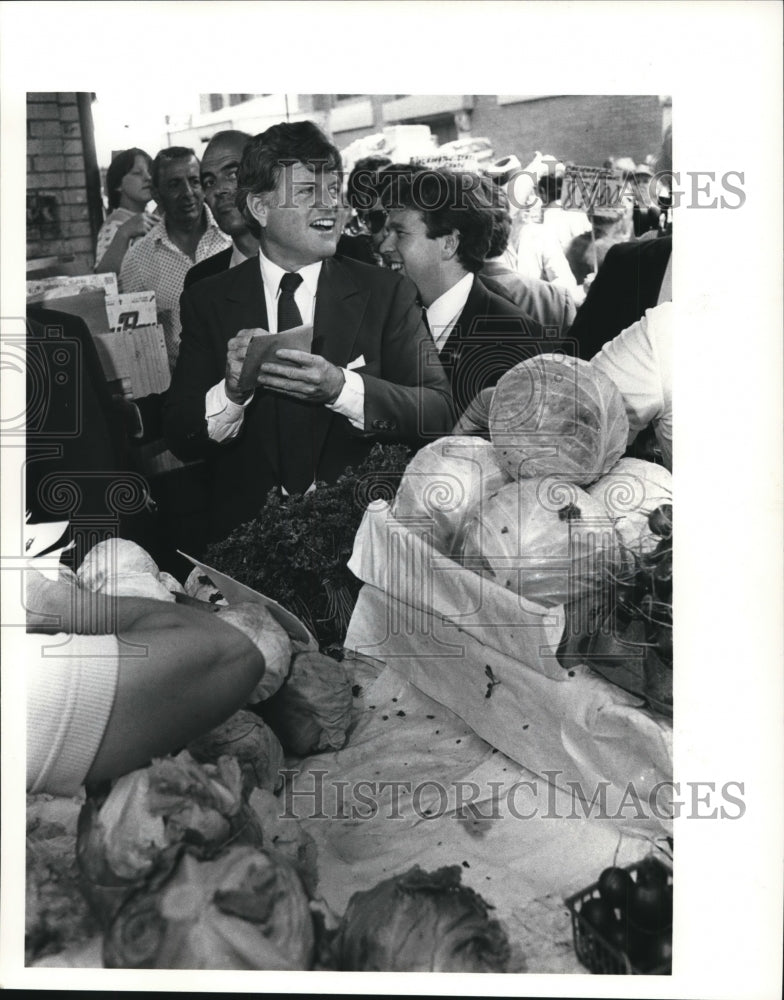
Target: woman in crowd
x=129 y=190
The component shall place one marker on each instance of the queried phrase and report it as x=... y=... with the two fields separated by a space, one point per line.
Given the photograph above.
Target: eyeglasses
x=374 y=220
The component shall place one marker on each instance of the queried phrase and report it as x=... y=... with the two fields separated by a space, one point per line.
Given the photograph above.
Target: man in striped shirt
x=187 y=234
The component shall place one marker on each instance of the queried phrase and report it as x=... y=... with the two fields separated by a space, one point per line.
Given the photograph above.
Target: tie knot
x=290 y=282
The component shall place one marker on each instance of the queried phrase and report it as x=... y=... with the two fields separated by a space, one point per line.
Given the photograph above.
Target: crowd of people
x=419 y=288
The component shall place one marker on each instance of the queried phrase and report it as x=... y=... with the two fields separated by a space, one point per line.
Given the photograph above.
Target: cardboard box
x=130 y=310
x=138 y=356
x=65 y=285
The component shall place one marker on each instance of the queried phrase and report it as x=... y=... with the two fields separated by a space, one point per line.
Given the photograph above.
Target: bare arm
x=198 y=670
x=182 y=671
x=139 y=225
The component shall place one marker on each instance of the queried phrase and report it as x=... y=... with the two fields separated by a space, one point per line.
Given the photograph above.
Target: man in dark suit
x=438 y=234
x=219 y=168
x=372 y=374
x=630 y=280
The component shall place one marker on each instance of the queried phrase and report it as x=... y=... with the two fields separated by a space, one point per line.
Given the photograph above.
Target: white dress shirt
x=444 y=312
x=639 y=361
x=224 y=417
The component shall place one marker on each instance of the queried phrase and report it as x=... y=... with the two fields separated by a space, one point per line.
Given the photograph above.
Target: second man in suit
x=438 y=234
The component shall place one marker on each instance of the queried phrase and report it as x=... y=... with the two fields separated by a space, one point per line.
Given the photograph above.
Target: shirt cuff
x=351 y=401
x=224 y=417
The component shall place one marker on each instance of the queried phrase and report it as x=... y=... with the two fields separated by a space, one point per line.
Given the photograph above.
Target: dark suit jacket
x=361 y=312
x=357 y=248
x=627 y=283
x=546 y=304
x=209 y=266
x=490 y=336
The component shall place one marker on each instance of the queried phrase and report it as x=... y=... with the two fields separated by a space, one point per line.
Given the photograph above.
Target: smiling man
x=438 y=233
x=219 y=168
x=186 y=233
x=372 y=373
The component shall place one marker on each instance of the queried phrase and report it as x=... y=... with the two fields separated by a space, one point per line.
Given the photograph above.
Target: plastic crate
x=594 y=951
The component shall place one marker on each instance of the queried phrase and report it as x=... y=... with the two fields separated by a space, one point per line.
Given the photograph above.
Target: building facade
x=586 y=129
x=64 y=208
x=64 y=204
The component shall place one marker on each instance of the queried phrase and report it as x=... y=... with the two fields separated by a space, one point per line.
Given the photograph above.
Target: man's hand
x=235 y=356
x=309 y=377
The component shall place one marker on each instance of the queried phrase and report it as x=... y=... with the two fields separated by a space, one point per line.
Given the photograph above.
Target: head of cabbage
x=245 y=737
x=311 y=711
x=126 y=836
x=421 y=922
x=244 y=909
x=555 y=415
x=443 y=485
x=544 y=539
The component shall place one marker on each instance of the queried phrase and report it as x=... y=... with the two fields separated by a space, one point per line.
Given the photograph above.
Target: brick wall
x=58 y=211
x=583 y=129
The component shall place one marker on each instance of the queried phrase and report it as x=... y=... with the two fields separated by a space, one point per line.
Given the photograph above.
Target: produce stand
x=464 y=744
x=524 y=868
x=439 y=625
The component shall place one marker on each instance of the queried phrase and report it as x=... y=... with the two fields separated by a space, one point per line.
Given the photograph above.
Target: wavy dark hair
x=447 y=200
x=269 y=152
x=502 y=222
x=121 y=165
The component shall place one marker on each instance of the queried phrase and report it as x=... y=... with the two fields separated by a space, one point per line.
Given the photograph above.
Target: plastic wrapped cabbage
x=421 y=922
x=127 y=836
x=171 y=583
x=554 y=415
x=120 y=568
x=443 y=485
x=283 y=836
x=243 y=910
x=199 y=586
x=111 y=557
x=271 y=640
x=312 y=709
x=245 y=737
x=629 y=493
x=544 y=539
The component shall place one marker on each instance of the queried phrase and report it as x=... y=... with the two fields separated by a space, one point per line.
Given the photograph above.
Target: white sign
x=593 y=189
